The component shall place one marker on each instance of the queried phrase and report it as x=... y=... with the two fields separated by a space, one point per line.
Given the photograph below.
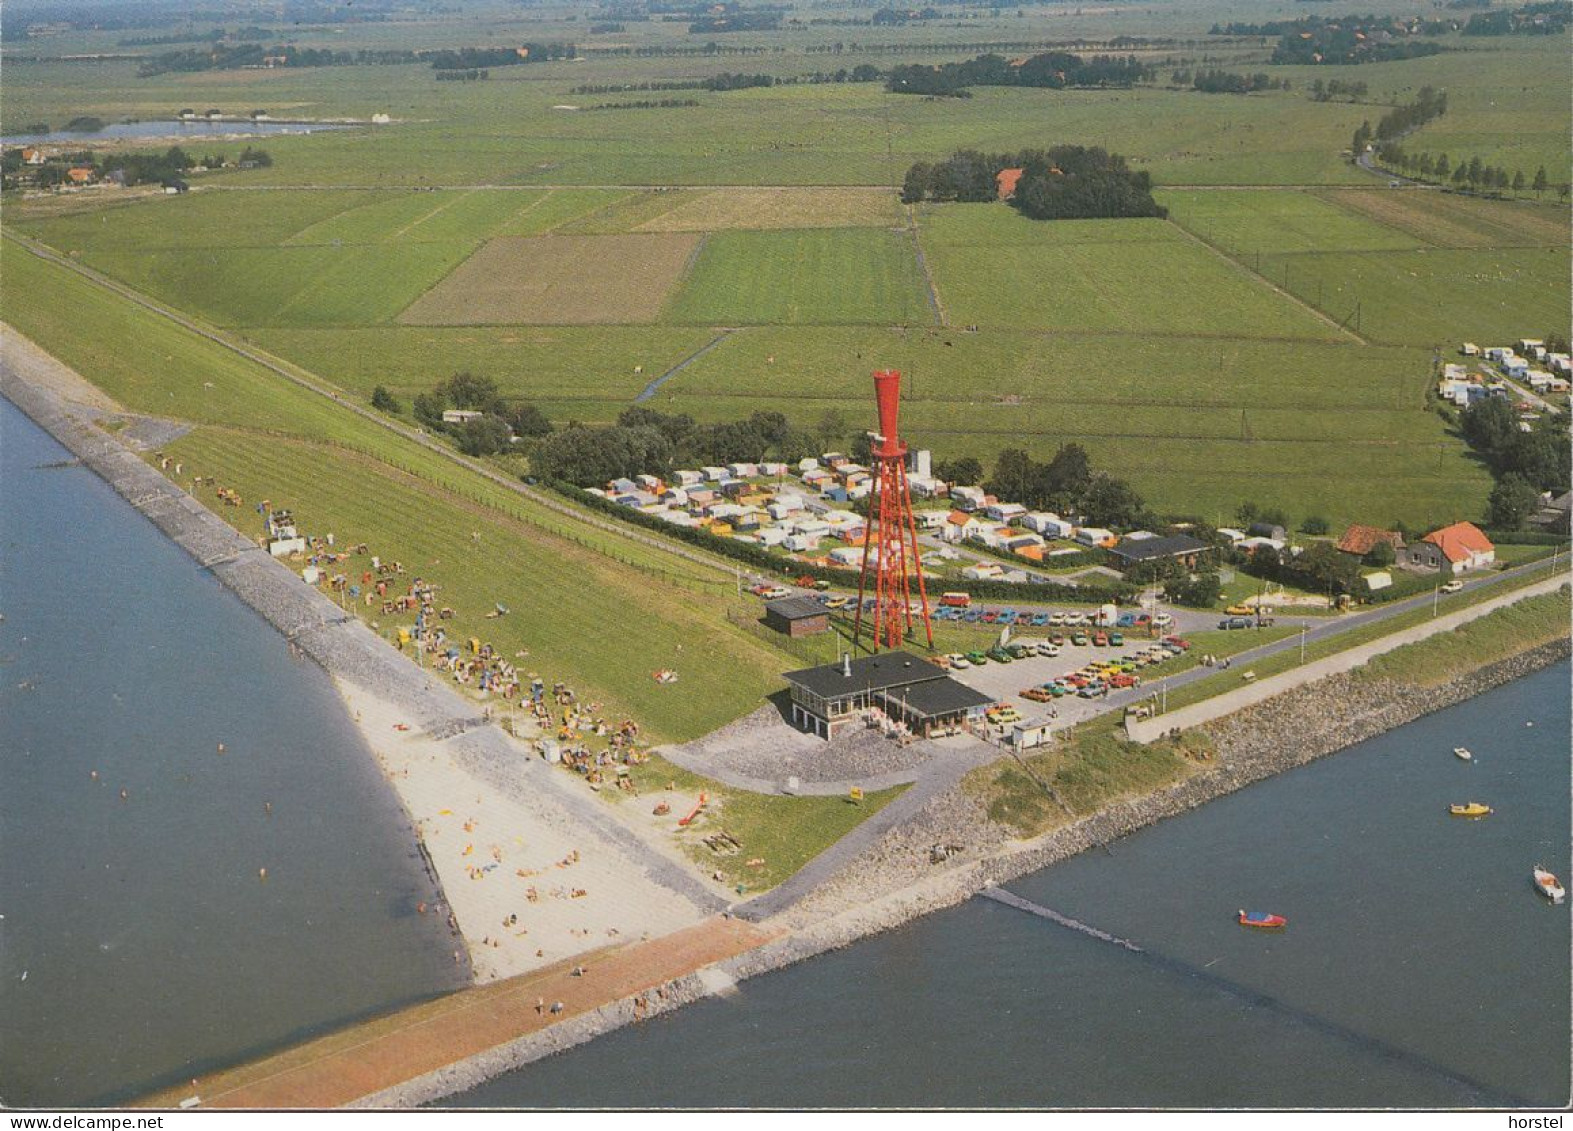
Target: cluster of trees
x=1227 y=82
x=465 y=58
x=1550 y=18
x=487 y=434
x=472 y=75
x=1319 y=567
x=893 y=17
x=1055 y=70
x=1523 y=463
x=1068 y=484
x=1065 y=182
x=727 y=81
x=1351 y=39
x=1338 y=88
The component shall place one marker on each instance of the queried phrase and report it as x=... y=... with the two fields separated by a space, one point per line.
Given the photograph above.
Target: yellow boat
x=1473 y=809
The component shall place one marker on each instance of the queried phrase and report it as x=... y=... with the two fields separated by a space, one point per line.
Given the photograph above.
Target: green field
x=1271 y=341
x=802 y=277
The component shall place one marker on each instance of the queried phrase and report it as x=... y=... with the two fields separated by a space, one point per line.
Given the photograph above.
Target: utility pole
x=1302 y=643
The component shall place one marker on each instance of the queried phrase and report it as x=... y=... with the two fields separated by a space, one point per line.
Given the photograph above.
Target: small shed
x=797 y=616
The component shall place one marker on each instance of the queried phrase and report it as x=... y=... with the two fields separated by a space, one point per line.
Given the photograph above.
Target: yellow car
x=1241 y=611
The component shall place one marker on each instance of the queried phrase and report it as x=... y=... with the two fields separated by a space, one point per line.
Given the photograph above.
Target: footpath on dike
x=422 y=1053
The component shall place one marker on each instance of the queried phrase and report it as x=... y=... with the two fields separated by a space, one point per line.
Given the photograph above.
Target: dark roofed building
x=1135 y=551
x=828 y=698
x=797 y=616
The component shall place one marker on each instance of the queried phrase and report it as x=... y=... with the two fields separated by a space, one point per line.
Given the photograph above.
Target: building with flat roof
x=828 y=698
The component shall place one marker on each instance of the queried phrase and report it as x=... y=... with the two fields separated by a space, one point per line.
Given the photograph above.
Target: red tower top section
x=887 y=392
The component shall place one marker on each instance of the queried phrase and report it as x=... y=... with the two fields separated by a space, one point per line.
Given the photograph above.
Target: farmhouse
x=1361 y=540
x=1452 y=549
x=1005 y=182
x=465 y=415
x=827 y=699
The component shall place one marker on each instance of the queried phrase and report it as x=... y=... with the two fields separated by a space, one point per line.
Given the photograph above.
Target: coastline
x=890 y=884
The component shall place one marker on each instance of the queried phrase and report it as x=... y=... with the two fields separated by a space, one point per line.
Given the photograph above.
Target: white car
x=1162 y=620
x=1057 y=620
x=958 y=661
x=1453 y=586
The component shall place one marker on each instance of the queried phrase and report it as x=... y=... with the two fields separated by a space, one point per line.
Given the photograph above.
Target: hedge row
x=762 y=559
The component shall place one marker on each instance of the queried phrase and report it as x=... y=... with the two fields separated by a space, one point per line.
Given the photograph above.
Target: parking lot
x=1006 y=682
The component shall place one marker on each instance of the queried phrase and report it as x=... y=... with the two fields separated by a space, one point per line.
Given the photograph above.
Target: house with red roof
x=1458 y=548
x=1361 y=540
x=1005 y=181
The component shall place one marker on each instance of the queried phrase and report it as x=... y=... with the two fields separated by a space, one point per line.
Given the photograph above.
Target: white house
x=968 y=498
x=1235 y=536
x=807 y=463
x=714 y=474
x=460 y=415
x=980 y=571
x=800 y=543
x=1515 y=366
x=742 y=470
x=1094 y=535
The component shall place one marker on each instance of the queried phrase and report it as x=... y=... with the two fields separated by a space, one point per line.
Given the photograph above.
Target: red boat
x=1263 y=920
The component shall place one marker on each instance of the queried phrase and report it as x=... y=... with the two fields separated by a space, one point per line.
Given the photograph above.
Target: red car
x=991 y=616
x=1182 y=645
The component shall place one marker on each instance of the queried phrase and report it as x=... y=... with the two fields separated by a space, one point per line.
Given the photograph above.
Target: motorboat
x=1463 y=752
x=1470 y=809
x=1263 y=920
x=1547 y=885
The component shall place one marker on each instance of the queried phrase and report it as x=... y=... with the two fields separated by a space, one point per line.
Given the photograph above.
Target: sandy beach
x=527 y=885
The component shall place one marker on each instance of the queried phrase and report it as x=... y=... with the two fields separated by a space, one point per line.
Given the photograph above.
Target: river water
x=1419 y=967
x=140 y=945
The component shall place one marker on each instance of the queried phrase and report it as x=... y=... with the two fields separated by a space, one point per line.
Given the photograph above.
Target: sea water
x=1419 y=967
x=141 y=944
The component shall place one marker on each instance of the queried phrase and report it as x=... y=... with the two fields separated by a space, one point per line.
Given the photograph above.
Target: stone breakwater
x=893 y=882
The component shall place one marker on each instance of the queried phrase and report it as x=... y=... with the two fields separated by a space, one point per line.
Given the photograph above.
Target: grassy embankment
x=602 y=623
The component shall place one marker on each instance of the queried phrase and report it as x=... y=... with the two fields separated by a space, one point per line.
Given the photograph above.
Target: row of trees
x=493 y=431
x=1338 y=88
x=1227 y=82
x=1065 y=182
x=1473 y=173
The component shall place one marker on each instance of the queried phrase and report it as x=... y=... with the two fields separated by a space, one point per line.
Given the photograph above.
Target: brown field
x=557 y=281
x=762 y=208
x=1448 y=220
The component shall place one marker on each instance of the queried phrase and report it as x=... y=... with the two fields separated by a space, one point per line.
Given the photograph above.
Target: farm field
x=780 y=208
x=994 y=268
x=803 y=277
x=1406 y=267
x=1433 y=297
x=558 y=280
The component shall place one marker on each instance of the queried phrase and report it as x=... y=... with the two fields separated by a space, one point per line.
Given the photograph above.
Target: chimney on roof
x=846 y=664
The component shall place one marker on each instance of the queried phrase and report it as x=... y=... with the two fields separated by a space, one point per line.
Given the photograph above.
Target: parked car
x=1117 y=639
x=1037 y=695
x=991 y=616
x=1079 y=639
x=977 y=659
x=1162 y=620
x=1039 y=620
x=958 y=661
x=1453 y=586
x=1235 y=622
x=1057 y=619
x=1100 y=640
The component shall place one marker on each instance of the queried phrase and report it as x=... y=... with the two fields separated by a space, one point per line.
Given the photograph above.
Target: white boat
x=1546 y=884
x=1463 y=752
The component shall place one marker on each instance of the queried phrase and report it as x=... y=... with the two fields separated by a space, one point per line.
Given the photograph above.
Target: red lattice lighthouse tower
x=890 y=550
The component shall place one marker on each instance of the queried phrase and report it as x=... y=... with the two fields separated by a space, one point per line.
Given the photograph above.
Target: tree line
x=1054 y=70
x=1064 y=182
x=1227 y=82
